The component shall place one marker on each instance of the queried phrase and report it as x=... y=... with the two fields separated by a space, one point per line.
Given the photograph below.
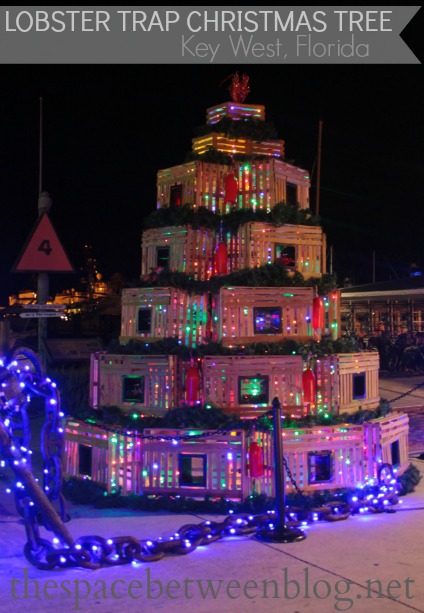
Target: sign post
x=43 y=254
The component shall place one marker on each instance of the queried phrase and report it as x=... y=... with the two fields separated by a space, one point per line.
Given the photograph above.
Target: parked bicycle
x=404 y=353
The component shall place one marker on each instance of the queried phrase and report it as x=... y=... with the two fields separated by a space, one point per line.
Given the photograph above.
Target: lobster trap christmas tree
x=233 y=256
x=234 y=308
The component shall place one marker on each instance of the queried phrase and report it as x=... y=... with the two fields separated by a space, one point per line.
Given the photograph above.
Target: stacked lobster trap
x=226 y=464
x=239 y=380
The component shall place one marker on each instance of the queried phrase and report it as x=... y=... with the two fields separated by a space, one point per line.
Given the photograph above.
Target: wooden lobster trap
x=297 y=248
x=111 y=459
x=179 y=249
x=205 y=466
x=386 y=442
x=144 y=384
x=262 y=184
x=218 y=464
x=348 y=381
x=151 y=314
x=319 y=458
x=246 y=385
x=263 y=314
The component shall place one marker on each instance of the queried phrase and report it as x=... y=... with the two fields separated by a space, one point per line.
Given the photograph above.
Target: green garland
x=74 y=382
x=172 y=346
x=253 y=129
x=280 y=215
x=409 y=480
x=214 y=156
x=274 y=274
x=84 y=491
x=213 y=418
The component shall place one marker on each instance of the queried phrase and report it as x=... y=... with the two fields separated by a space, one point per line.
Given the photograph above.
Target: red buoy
x=208 y=328
x=221 y=259
x=317 y=313
x=256 y=461
x=309 y=387
x=192 y=384
x=230 y=189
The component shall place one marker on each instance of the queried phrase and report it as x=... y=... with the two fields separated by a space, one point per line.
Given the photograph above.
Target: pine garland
x=172 y=346
x=279 y=215
x=214 y=156
x=274 y=274
x=409 y=480
x=85 y=491
x=251 y=128
x=200 y=417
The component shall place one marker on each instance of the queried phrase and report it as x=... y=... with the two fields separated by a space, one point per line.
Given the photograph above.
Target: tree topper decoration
x=239 y=88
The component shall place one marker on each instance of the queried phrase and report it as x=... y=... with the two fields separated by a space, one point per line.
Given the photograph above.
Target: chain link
x=92 y=552
x=206 y=434
x=411 y=391
x=151 y=437
x=121 y=431
x=290 y=476
x=20 y=384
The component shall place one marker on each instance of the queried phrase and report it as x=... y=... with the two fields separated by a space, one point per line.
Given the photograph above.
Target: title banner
x=220 y=35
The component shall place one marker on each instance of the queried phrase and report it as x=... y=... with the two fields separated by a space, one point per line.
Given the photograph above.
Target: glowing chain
x=17 y=386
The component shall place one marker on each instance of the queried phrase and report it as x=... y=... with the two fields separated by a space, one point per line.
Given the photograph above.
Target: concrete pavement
x=393 y=386
x=368 y=564
x=412 y=403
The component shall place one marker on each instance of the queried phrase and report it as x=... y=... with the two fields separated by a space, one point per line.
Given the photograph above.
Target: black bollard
x=278 y=531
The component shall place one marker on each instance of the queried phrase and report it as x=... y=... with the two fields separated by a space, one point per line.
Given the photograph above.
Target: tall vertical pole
x=318 y=168
x=373 y=266
x=40 y=152
x=280 y=490
x=44 y=203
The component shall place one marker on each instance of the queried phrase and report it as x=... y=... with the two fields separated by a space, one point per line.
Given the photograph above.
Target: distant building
x=391 y=307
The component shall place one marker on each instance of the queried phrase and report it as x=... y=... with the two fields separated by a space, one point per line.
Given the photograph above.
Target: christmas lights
x=92 y=552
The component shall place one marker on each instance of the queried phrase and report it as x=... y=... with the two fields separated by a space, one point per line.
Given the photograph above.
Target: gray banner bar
x=204 y=35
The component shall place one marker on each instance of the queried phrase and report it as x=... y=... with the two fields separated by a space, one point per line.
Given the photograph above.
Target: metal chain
x=413 y=389
x=151 y=437
x=52 y=438
x=18 y=385
x=120 y=430
x=290 y=476
x=94 y=551
x=91 y=552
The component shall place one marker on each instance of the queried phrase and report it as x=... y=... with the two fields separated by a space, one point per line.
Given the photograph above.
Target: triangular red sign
x=43 y=251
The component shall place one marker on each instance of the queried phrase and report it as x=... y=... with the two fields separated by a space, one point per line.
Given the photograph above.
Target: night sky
x=108 y=129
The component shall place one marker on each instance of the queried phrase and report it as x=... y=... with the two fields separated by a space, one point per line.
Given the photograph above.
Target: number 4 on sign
x=43 y=242
x=45 y=246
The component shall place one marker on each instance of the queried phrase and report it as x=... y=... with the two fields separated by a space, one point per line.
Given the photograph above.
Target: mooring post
x=279 y=531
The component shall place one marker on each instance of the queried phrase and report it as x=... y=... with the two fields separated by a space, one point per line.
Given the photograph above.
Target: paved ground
x=351 y=565
x=367 y=564
x=392 y=387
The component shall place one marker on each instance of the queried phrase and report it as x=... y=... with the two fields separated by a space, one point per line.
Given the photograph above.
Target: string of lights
x=18 y=385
